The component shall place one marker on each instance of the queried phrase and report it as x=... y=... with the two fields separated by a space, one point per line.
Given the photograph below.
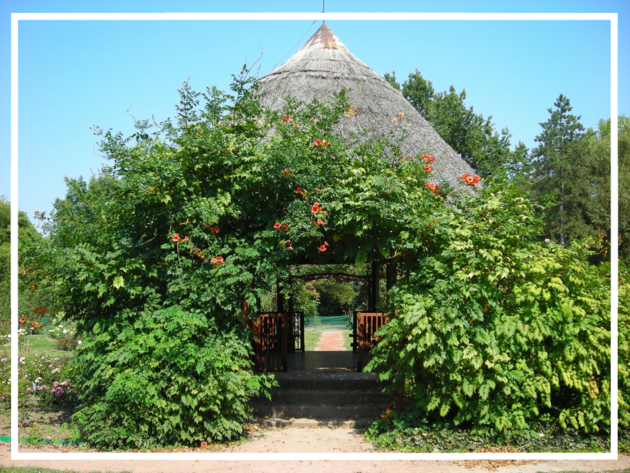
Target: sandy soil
x=331 y=341
x=306 y=440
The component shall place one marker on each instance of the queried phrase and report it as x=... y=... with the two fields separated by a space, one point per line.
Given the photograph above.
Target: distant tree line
x=568 y=171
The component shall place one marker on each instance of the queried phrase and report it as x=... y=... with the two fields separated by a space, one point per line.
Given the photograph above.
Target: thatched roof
x=324 y=65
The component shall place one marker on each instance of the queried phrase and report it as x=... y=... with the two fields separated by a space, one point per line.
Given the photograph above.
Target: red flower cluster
x=428 y=168
x=285 y=227
x=285 y=171
x=276 y=225
x=470 y=180
x=428 y=159
x=298 y=190
x=40 y=309
x=22 y=319
x=433 y=188
x=214 y=229
x=176 y=237
x=319 y=221
x=217 y=260
x=322 y=142
x=287 y=118
x=323 y=247
x=185 y=239
x=36 y=213
x=317 y=209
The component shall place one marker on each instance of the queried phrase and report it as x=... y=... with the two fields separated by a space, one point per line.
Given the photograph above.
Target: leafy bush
x=495 y=331
x=624 y=350
x=164 y=377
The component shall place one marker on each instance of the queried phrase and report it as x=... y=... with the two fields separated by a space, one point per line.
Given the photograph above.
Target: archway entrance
x=279 y=337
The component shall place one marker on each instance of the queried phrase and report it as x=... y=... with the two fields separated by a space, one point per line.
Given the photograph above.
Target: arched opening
x=279 y=336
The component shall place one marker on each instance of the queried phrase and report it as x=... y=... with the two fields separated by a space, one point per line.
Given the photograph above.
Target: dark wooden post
x=279 y=298
x=375 y=282
x=391 y=274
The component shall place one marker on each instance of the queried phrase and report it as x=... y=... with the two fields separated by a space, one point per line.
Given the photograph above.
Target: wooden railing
x=270 y=341
x=367 y=324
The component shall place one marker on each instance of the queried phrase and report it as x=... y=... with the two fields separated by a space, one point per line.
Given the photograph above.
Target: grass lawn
x=37 y=344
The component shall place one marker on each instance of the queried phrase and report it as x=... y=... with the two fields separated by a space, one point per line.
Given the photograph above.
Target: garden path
x=307 y=440
x=331 y=341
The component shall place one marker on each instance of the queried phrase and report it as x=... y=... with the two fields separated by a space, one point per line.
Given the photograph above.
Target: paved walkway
x=331 y=341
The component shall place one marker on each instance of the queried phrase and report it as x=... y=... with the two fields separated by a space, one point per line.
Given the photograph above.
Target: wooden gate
x=367 y=323
x=270 y=341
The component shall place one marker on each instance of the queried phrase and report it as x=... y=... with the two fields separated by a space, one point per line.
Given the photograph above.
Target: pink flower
x=176 y=237
x=322 y=248
x=205 y=444
x=56 y=383
x=320 y=221
x=60 y=392
x=29 y=390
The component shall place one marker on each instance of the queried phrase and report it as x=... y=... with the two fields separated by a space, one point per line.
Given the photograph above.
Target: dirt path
x=308 y=440
x=331 y=341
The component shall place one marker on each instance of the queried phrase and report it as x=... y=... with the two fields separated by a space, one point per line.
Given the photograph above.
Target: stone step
x=319 y=411
x=324 y=380
x=337 y=397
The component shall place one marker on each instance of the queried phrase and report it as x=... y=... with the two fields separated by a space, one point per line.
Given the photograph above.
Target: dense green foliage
x=165 y=379
x=624 y=350
x=181 y=228
x=164 y=259
x=495 y=331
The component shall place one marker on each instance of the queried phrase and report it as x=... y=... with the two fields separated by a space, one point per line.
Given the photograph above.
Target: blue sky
x=74 y=74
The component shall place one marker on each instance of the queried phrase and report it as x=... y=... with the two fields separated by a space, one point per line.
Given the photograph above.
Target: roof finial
x=324 y=9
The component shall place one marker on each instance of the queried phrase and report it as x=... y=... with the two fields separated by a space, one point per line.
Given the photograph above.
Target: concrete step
x=337 y=397
x=319 y=411
x=305 y=380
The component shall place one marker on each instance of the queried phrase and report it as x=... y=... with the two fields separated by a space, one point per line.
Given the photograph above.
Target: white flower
x=79 y=342
x=547 y=240
x=9 y=336
x=65 y=331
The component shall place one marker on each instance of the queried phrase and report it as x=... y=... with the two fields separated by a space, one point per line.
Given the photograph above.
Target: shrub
x=624 y=348
x=495 y=331
x=164 y=377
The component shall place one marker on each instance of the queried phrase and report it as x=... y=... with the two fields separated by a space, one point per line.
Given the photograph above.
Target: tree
x=561 y=171
x=470 y=134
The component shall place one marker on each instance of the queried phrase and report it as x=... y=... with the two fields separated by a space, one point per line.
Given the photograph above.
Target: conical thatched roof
x=324 y=66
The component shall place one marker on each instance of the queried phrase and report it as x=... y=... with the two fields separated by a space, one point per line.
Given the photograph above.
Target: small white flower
x=79 y=342
x=65 y=331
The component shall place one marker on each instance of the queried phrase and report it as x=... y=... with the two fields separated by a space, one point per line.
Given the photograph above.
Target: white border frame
x=16 y=17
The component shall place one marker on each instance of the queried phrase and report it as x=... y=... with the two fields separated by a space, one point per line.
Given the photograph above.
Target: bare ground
x=305 y=441
x=331 y=341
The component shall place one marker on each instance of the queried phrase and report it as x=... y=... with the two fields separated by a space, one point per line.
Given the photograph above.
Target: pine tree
x=560 y=170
